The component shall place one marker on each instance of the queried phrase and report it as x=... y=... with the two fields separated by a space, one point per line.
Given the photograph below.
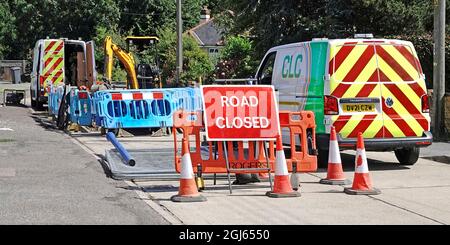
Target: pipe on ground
x=123 y=152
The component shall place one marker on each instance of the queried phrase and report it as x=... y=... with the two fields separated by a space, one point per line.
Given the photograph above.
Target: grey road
x=45 y=178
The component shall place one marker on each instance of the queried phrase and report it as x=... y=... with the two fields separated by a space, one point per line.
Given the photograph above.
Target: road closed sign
x=240 y=112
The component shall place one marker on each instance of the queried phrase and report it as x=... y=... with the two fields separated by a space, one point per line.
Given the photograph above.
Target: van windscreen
x=374 y=62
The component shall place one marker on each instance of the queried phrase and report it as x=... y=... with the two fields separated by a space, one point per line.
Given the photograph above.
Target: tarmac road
x=45 y=178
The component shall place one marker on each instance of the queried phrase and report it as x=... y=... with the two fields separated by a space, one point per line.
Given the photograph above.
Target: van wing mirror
x=422 y=76
x=326 y=77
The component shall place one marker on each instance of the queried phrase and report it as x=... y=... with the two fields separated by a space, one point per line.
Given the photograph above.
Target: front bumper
x=377 y=144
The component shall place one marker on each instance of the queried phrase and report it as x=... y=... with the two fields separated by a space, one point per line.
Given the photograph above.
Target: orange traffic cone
x=362 y=184
x=335 y=174
x=282 y=186
x=188 y=189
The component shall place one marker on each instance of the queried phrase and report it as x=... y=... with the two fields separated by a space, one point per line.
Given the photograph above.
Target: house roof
x=207 y=33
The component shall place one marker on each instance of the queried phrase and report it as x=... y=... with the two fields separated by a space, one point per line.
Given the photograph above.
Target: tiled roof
x=207 y=33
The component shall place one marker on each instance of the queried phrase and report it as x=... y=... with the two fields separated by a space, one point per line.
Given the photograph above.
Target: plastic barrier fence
x=55 y=96
x=142 y=108
x=80 y=107
x=248 y=154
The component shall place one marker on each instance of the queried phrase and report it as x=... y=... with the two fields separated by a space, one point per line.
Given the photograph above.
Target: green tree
x=196 y=62
x=7 y=28
x=145 y=17
x=236 y=59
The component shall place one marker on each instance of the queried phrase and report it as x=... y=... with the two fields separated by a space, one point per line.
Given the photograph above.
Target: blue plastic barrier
x=80 y=107
x=144 y=108
x=55 y=96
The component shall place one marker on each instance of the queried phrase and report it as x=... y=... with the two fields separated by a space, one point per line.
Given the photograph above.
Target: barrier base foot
x=335 y=182
x=178 y=198
x=283 y=195
x=373 y=191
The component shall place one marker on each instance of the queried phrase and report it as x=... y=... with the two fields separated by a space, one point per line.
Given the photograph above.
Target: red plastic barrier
x=247 y=154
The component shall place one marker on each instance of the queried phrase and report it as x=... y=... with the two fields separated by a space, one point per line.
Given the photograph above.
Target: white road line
x=6 y=129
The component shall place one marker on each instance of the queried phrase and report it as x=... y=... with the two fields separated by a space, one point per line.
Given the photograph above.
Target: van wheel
x=33 y=102
x=407 y=156
x=322 y=158
x=39 y=106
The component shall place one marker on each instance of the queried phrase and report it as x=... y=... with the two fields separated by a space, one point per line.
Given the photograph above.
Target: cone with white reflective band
x=188 y=189
x=282 y=185
x=362 y=184
x=335 y=174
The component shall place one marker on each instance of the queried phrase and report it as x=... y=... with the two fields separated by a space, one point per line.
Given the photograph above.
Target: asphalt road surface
x=46 y=178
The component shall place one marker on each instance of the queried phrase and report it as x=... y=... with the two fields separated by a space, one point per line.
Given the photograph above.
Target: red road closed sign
x=240 y=112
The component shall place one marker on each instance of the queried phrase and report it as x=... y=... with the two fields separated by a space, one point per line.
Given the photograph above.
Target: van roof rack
x=364 y=35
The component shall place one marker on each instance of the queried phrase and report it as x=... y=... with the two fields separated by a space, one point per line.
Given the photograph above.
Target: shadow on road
x=348 y=164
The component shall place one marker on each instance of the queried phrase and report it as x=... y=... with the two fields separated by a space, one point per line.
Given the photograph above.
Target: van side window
x=264 y=75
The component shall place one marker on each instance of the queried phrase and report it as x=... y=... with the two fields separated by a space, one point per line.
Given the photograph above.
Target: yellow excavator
x=139 y=76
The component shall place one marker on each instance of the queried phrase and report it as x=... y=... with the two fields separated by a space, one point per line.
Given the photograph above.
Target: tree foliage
x=196 y=63
x=236 y=59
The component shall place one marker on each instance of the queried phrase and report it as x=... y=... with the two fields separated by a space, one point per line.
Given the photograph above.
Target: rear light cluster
x=330 y=105
x=425 y=104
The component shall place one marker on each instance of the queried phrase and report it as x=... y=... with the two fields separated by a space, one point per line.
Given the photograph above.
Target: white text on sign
x=238 y=122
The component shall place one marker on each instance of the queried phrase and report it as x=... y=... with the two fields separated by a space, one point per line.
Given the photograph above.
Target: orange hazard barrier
x=249 y=156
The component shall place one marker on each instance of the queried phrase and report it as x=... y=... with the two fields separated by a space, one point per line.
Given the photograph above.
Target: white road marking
x=6 y=129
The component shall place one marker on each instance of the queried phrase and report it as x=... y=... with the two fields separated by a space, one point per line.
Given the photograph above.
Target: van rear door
x=402 y=89
x=53 y=64
x=379 y=89
x=355 y=88
x=90 y=63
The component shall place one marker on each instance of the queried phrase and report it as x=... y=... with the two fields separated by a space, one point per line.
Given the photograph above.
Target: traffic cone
x=282 y=186
x=335 y=174
x=188 y=189
x=362 y=184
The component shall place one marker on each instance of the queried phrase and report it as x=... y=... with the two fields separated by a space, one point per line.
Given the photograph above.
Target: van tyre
x=407 y=156
x=39 y=106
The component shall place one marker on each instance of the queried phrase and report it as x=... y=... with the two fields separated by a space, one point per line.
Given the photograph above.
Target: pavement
x=418 y=194
x=73 y=187
x=47 y=178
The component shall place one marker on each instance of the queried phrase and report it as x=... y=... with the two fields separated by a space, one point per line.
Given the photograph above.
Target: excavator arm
x=125 y=58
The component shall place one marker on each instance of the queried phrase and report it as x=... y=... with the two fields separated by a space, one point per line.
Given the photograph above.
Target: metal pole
x=179 y=67
x=438 y=68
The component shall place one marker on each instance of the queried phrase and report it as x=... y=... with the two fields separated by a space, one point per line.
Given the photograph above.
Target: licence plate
x=358 y=107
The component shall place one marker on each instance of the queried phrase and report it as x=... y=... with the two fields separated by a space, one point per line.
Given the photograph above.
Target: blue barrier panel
x=55 y=96
x=144 y=108
x=80 y=107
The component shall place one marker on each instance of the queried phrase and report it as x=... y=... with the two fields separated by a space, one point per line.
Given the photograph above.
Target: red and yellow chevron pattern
x=53 y=69
x=384 y=70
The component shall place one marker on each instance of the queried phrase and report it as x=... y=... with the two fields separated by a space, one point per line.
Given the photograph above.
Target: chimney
x=205 y=15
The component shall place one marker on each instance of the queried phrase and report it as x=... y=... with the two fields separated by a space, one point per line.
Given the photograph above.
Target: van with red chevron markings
x=58 y=62
x=372 y=86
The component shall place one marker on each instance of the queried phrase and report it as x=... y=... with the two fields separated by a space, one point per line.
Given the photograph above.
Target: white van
x=58 y=62
x=372 y=86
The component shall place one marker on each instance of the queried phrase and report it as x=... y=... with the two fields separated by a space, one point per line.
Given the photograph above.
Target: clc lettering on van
x=292 y=67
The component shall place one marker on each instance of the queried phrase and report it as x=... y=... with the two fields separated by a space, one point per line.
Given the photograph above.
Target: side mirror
x=422 y=76
x=326 y=77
